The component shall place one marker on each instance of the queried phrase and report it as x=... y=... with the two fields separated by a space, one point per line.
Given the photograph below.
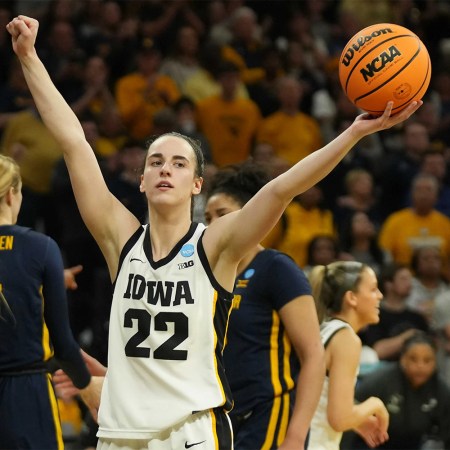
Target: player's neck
x=164 y=235
x=5 y=218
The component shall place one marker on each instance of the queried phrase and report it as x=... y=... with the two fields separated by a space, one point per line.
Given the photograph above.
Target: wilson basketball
x=384 y=62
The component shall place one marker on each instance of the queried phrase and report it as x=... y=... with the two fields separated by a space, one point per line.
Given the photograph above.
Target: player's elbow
x=338 y=422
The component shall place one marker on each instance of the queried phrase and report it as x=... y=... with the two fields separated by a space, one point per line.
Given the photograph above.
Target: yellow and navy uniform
x=34 y=326
x=261 y=366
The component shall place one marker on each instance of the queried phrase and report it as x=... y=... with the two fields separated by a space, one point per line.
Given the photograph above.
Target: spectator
x=203 y=83
x=27 y=140
x=358 y=239
x=441 y=326
x=124 y=183
x=247 y=45
x=416 y=226
x=428 y=281
x=402 y=166
x=292 y=133
x=359 y=196
x=434 y=163
x=14 y=94
x=305 y=219
x=183 y=61
x=229 y=123
x=186 y=123
x=397 y=321
x=141 y=94
x=95 y=96
x=417 y=399
x=322 y=250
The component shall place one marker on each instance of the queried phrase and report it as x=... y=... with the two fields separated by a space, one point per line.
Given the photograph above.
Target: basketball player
x=173 y=280
x=273 y=321
x=348 y=297
x=34 y=326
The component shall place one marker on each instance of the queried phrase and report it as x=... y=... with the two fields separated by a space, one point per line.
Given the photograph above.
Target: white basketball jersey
x=322 y=435
x=166 y=336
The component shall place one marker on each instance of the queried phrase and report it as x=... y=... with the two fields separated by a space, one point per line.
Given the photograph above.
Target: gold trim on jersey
x=46 y=344
x=274 y=372
x=219 y=381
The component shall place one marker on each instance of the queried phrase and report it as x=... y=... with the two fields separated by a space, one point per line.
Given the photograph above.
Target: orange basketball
x=384 y=62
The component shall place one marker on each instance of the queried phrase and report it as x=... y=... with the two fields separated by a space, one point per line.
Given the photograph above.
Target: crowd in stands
x=251 y=80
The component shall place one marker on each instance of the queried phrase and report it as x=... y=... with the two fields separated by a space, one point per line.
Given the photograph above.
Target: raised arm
x=110 y=223
x=238 y=232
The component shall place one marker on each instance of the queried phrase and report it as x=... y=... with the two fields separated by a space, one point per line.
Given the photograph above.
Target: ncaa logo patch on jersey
x=249 y=273
x=187 y=250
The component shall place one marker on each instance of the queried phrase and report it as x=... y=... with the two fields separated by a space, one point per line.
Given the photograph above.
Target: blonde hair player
x=34 y=327
x=348 y=299
x=173 y=279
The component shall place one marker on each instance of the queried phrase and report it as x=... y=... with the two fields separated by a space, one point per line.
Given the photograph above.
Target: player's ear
x=198 y=182
x=9 y=196
x=141 y=185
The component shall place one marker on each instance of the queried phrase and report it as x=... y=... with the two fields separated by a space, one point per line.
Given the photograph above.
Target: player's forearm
x=51 y=105
x=309 y=387
x=314 y=167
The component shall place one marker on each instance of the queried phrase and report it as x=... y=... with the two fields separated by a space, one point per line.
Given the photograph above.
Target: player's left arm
x=235 y=235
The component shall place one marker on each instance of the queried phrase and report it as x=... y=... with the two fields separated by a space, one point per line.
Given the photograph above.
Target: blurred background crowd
x=251 y=80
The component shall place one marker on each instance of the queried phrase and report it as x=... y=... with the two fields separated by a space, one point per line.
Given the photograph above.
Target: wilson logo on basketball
x=380 y=62
x=360 y=41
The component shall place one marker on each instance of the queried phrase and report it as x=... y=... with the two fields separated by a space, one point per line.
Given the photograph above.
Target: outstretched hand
x=23 y=31
x=366 y=124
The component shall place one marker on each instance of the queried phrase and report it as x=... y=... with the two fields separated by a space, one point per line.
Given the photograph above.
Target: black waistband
x=25 y=370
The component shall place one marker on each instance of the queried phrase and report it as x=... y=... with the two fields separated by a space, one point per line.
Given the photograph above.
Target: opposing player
x=173 y=280
x=273 y=326
x=34 y=326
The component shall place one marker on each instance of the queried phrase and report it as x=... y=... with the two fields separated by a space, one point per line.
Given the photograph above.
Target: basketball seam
x=376 y=46
x=390 y=79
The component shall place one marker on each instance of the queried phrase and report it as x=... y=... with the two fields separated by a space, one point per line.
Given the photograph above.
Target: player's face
x=219 y=205
x=169 y=174
x=418 y=363
x=368 y=298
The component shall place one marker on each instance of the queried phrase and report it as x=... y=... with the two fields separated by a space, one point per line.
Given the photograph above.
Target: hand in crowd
x=69 y=276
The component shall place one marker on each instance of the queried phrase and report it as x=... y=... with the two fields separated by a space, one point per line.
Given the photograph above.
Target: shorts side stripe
x=55 y=414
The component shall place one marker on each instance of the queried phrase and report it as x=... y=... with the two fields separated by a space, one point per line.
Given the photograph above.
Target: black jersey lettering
x=142 y=320
x=165 y=293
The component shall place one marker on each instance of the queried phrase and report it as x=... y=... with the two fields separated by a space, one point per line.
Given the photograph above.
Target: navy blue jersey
x=259 y=361
x=37 y=325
